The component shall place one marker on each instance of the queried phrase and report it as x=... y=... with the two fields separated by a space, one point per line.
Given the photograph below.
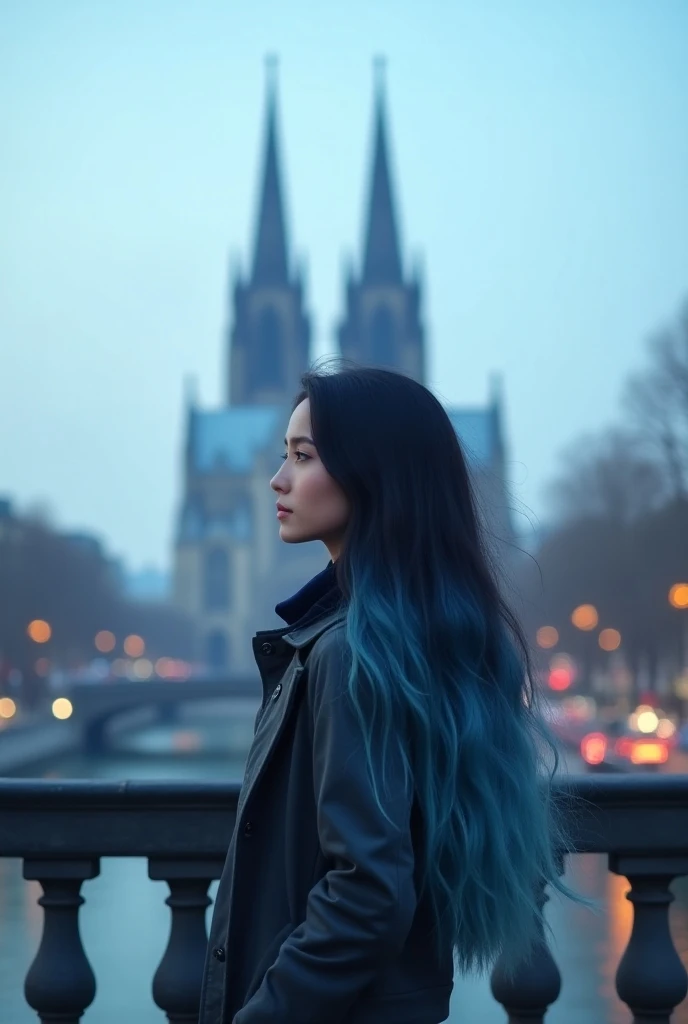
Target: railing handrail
x=604 y=790
x=62 y=828
x=606 y=814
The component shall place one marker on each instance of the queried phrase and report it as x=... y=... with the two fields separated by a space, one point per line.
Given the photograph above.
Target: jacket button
x=266 y=648
x=219 y=953
x=276 y=692
x=248 y=828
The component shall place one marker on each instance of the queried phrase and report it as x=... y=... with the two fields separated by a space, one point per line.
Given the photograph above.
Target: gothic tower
x=382 y=323
x=269 y=344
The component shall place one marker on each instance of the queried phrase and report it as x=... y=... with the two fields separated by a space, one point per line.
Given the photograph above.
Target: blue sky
x=541 y=169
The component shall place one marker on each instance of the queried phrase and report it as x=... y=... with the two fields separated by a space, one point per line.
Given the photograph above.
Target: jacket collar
x=302 y=635
x=313 y=609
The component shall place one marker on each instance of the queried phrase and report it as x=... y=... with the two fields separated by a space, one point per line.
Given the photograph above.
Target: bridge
x=62 y=829
x=96 y=704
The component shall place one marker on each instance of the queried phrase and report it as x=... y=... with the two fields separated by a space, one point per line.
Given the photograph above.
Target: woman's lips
x=282 y=513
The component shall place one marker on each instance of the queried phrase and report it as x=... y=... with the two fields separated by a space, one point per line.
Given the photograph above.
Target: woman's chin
x=290 y=535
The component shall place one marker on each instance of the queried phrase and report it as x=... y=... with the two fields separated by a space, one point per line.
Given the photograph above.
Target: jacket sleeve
x=359 y=914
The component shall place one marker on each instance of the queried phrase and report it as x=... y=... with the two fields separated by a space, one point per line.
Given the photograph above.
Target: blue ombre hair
x=441 y=660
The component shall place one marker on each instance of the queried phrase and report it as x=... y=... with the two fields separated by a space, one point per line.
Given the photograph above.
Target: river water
x=124 y=922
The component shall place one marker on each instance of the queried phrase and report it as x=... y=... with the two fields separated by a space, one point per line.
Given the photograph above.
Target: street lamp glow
x=105 y=641
x=134 y=646
x=39 y=631
x=585 y=617
x=547 y=636
x=8 y=708
x=609 y=639
x=678 y=595
x=62 y=708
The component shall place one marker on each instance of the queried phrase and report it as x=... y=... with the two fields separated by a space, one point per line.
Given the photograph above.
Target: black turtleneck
x=315 y=599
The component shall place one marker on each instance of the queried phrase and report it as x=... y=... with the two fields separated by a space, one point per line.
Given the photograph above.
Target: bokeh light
x=547 y=636
x=609 y=639
x=39 y=631
x=62 y=708
x=8 y=708
x=585 y=617
x=647 y=720
x=134 y=646
x=678 y=595
x=105 y=641
x=593 y=747
x=143 y=668
x=665 y=728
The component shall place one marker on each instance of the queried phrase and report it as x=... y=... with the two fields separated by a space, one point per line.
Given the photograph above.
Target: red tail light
x=594 y=747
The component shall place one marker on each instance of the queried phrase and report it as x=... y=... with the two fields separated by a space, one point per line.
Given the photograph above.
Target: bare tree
x=657 y=402
x=605 y=476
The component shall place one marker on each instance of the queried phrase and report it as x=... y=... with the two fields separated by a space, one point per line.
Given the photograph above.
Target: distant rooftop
x=231 y=438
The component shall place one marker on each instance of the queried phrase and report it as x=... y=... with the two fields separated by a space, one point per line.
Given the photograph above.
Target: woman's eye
x=285 y=455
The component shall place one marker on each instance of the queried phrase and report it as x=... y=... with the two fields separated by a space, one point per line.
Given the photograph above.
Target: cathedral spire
x=382 y=258
x=270 y=261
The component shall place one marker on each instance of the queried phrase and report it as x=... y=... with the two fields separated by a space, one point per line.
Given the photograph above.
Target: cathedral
x=230 y=566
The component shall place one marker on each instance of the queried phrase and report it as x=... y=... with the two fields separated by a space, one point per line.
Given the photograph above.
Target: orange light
x=645 y=752
x=39 y=631
x=678 y=595
x=609 y=639
x=7 y=707
x=594 y=747
x=585 y=617
x=134 y=646
x=547 y=636
x=105 y=641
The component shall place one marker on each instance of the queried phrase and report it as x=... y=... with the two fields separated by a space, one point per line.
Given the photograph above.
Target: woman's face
x=318 y=508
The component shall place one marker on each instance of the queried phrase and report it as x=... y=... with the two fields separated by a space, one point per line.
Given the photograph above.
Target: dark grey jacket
x=316 y=919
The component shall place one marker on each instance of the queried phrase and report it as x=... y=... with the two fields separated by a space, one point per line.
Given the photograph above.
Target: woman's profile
x=395 y=822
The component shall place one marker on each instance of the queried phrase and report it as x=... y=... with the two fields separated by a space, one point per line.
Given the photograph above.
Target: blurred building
x=230 y=566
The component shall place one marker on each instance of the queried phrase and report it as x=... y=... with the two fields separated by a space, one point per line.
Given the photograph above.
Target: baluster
x=650 y=979
x=60 y=983
x=177 y=981
x=528 y=990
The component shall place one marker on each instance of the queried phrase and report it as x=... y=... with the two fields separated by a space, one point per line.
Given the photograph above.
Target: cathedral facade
x=230 y=567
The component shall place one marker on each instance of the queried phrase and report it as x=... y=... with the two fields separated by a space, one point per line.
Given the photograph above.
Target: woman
x=392 y=817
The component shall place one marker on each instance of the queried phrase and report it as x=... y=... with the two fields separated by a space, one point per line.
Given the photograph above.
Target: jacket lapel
x=270 y=727
x=271 y=723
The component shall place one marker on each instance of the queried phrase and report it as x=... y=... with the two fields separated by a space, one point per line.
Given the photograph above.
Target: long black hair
x=439 y=656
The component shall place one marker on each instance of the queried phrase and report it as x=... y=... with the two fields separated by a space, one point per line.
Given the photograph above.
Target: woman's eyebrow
x=300 y=440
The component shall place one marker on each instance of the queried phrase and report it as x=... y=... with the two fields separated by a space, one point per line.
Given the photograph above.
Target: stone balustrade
x=61 y=830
